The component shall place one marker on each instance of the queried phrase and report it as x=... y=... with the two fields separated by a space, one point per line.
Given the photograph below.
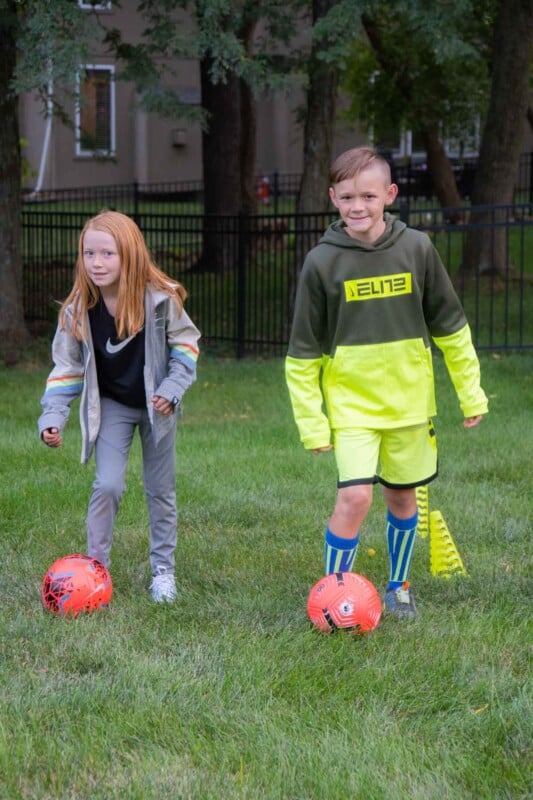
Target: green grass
x=230 y=693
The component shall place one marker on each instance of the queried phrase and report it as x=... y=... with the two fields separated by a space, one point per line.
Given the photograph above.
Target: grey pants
x=112 y=449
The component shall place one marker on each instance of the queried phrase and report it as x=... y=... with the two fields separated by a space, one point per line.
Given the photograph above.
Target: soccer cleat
x=163 y=588
x=401 y=602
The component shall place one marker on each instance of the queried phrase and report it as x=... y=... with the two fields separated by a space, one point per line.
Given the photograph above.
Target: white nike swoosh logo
x=115 y=348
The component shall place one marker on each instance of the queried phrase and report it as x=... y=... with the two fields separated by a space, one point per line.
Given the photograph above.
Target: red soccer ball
x=76 y=584
x=344 y=601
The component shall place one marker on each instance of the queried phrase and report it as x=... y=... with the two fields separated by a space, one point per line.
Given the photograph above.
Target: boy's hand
x=162 y=406
x=52 y=437
x=471 y=422
x=319 y=450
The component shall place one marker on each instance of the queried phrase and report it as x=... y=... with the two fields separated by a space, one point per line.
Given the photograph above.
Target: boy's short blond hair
x=352 y=162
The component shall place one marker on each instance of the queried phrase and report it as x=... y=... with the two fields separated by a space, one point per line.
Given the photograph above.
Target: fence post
x=404 y=210
x=530 y=182
x=242 y=238
x=275 y=191
x=136 y=203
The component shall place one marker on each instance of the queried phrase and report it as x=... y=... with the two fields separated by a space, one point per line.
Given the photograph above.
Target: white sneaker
x=163 y=588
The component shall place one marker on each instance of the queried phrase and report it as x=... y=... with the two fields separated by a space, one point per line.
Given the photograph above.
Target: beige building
x=114 y=141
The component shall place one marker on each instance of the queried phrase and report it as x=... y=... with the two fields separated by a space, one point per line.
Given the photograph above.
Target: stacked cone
x=444 y=558
x=422 y=501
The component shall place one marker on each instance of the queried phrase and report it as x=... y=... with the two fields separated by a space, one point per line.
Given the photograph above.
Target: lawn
x=229 y=693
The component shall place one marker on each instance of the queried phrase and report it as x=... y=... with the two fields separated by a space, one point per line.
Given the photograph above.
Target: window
x=410 y=145
x=95 y=6
x=95 y=113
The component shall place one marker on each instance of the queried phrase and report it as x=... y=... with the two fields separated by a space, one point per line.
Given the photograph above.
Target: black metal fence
x=276 y=192
x=415 y=181
x=241 y=296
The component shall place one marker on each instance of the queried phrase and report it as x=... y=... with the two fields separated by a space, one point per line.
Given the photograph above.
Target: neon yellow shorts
x=400 y=458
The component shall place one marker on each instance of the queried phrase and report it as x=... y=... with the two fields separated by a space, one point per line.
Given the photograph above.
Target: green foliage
x=219 y=34
x=229 y=693
x=374 y=103
x=54 y=39
x=223 y=31
x=424 y=64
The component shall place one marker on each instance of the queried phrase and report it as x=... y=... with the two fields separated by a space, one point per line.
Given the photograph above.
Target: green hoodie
x=365 y=315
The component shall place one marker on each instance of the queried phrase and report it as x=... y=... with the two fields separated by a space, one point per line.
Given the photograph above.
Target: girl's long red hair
x=137 y=270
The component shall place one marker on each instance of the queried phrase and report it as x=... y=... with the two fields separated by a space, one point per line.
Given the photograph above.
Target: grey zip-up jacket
x=171 y=353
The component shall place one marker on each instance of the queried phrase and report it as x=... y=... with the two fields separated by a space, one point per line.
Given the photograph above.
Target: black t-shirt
x=119 y=362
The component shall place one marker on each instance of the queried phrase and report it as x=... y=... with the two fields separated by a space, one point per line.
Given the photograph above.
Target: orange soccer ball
x=76 y=584
x=344 y=601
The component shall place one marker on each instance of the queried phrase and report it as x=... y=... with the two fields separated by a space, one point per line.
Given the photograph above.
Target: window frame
x=105 y=5
x=96 y=153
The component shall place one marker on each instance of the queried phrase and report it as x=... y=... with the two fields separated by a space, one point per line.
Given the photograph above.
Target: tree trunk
x=248 y=130
x=221 y=166
x=442 y=175
x=439 y=167
x=317 y=146
x=503 y=136
x=13 y=332
x=319 y=126
x=248 y=148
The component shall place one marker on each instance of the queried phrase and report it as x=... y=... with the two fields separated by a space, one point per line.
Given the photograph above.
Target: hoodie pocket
x=391 y=383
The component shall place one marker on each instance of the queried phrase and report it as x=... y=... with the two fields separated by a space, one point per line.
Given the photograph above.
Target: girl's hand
x=472 y=422
x=52 y=437
x=163 y=406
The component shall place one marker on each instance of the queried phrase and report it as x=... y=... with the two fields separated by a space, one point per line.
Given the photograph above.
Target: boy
x=371 y=296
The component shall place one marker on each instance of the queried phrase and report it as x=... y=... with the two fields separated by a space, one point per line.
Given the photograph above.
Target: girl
x=125 y=343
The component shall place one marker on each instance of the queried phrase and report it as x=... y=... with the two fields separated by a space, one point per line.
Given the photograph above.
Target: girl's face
x=102 y=261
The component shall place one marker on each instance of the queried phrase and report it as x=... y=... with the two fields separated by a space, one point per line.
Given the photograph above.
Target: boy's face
x=361 y=201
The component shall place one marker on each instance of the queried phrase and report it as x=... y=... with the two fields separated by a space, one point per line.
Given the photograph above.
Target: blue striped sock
x=401 y=535
x=339 y=553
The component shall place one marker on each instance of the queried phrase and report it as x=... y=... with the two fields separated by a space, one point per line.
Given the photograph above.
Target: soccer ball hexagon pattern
x=344 y=601
x=76 y=584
